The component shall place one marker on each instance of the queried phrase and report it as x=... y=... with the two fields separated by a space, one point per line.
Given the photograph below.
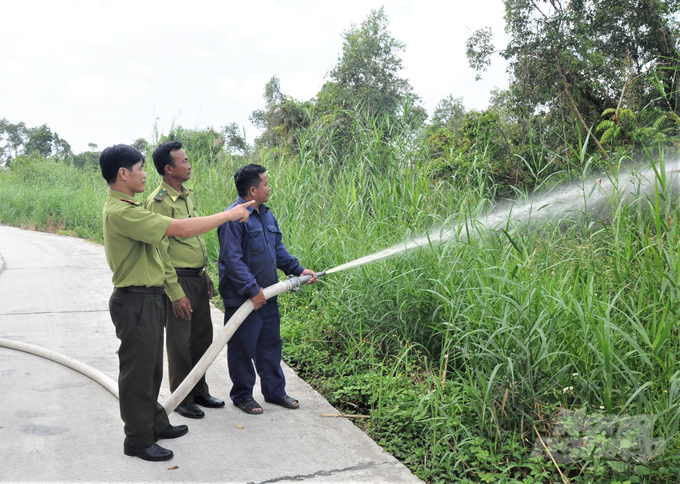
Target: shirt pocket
x=254 y=241
x=275 y=233
x=179 y=215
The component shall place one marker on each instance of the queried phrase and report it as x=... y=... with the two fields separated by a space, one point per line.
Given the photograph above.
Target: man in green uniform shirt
x=132 y=236
x=188 y=287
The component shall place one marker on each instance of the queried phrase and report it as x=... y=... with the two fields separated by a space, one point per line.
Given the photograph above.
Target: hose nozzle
x=298 y=281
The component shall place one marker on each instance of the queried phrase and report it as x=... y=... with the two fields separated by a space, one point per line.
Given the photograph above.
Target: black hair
x=246 y=177
x=162 y=156
x=115 y=157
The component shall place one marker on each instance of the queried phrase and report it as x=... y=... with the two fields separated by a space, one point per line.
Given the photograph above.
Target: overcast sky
x=103 y=72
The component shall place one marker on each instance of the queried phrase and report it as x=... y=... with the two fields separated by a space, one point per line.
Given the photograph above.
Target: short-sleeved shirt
x=132 y=235
x=177 y=252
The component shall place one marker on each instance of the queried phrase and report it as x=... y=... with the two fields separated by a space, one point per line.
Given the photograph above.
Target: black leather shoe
x=173 y=431
x=189 y=410
x=208 y=401
x=153 y=453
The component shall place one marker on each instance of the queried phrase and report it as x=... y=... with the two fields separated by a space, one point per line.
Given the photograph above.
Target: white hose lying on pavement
x=200 y=368
x=224 y=336
x=104 y=380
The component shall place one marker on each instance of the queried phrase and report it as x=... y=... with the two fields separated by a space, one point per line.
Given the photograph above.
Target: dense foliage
x=574 y=62
x=472 y=356
x=18 y=139
x=461 y=353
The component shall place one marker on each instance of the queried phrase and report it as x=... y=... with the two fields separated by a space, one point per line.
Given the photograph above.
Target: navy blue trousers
x=257 y=340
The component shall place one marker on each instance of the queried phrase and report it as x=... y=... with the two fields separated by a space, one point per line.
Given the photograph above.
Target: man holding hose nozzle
x=250 y=253
x=132 y=235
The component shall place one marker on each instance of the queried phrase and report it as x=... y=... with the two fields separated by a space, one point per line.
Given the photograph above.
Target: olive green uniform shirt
x=177 y=252
x=132 y=235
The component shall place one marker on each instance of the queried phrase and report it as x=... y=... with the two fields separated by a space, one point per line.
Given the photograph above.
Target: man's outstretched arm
x=189 y=227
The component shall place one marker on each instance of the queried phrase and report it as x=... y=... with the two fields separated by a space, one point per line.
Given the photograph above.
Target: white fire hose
x=291 y=284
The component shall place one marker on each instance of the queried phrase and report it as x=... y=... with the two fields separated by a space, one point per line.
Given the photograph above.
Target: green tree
x=441 y=132
x=449 y=113
x=62 y=149
x=365 y=90
x=235 y=139
x=86 y=159
x=367 y=72
x=578 y=58
x=206 y=143
x=40 y=139
x=281 y=118
x=17 y=139
x=13 y=137
x=140 y=144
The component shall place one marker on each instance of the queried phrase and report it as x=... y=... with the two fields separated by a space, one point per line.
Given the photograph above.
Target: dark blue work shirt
x=250 y=253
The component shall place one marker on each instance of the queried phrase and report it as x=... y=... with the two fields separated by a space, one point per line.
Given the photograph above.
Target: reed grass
x=461 y=349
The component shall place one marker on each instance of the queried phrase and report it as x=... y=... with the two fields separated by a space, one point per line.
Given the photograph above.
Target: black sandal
x=249 y=405
x=287 y=402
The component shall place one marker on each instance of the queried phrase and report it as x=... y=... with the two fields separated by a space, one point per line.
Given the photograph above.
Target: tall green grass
x=463 y=351
x=48 y=195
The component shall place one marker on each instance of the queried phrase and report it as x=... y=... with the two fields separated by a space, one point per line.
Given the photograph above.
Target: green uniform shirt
x=132 y=235
x=180 y=252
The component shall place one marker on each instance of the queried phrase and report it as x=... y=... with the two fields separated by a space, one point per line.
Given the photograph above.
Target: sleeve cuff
x=175 y=293
x=253 y=292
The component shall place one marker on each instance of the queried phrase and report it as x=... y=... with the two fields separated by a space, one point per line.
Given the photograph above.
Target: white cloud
x=227 y=89
x=101 y=71
x=88 y=87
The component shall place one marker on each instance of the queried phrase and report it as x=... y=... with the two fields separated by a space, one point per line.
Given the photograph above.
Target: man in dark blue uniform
x=250 y=253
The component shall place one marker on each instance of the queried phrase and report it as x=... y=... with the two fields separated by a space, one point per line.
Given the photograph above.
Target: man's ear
x=122 y=173
x=167 y=169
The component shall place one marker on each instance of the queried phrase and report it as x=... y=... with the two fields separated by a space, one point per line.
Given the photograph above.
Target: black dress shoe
x=153 y=453
x=189 y=410
x=208 y=401
x=173 y=431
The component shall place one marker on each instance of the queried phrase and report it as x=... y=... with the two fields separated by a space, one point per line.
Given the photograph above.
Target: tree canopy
x=18 y=139
x=581 y=57
x=364 y=85
x=367 y=72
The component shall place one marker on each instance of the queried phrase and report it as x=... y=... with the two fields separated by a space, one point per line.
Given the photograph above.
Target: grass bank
x=470 y=356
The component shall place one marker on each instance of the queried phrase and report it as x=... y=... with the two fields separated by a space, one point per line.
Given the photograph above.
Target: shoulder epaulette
x=130 y=201
x=160 y=196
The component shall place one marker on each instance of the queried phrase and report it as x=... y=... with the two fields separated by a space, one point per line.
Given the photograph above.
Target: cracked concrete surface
x=57 y=425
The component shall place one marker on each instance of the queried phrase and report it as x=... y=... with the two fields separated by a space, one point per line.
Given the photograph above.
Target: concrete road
x=57 y=425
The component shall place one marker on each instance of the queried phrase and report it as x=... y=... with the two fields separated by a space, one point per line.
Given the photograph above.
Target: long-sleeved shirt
x=177 y=252
x=250 y=253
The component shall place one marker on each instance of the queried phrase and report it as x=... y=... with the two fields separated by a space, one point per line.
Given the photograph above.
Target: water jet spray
x=574 y=198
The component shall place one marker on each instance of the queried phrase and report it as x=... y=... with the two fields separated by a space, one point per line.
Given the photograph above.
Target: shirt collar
x=121 y=196
x=250 y=209
x=172 y=193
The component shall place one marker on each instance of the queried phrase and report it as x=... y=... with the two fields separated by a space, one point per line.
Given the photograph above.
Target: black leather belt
x=143 y=289
x=190 y=272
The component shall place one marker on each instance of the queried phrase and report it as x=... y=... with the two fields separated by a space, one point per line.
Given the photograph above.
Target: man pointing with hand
x=132 y=236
